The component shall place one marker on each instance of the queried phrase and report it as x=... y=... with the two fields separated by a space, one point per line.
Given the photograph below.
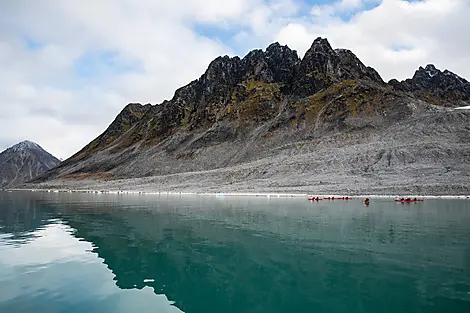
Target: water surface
x=117 y=253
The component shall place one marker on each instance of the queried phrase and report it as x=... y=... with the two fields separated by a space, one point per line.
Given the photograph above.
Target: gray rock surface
x=23 y=162
x=274 y=122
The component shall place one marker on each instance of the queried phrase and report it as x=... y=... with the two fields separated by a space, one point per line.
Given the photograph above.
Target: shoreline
x=235 y=194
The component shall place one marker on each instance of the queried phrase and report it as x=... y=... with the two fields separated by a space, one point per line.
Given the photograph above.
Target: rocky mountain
x=23 y=162
x=441 y=88
x=271 y=116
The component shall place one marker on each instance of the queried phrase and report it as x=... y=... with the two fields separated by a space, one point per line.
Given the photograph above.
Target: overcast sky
x=69 y=67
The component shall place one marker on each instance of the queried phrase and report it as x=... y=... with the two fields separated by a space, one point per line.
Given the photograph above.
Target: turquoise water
x=114 y=253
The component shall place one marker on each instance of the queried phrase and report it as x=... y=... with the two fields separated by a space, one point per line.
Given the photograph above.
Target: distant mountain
x=441 y=88
x=290 y=121
x=23 y=162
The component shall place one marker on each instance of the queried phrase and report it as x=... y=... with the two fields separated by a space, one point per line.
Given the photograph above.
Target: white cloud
x=350 y=4
x=395 y=37
x=43 y=97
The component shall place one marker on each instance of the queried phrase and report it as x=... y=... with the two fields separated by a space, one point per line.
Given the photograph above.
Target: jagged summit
x=441 y=88
x=270 y=104
x=430 y=69
x=320 y=66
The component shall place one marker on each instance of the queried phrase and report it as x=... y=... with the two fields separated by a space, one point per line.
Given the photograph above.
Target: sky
x=69 y=67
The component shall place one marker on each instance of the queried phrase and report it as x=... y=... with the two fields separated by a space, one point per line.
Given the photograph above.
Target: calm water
x=111 y=253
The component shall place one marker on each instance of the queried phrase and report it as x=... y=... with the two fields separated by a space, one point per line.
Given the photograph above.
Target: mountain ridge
x=245 y=109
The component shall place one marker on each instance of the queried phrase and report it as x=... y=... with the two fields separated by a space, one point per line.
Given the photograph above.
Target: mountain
x=441 y=88
x=23 y=162
x=274 y=121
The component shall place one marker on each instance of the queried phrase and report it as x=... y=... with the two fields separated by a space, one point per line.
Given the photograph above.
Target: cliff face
x=441 y=88
x=269 y=103
x=23 y=162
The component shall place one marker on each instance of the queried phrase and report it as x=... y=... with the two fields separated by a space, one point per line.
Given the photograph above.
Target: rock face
x=23 y=162
x=272 y=104
x=441 y=88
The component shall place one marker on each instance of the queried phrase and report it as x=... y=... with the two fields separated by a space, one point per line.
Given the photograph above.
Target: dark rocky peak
x=352 y=67
x=131 y=113
x=223 y=73
x=426 y=74
x=320 y=45
x=322 y=66
x=135 y=108
x=276 y=50
x=431 y=78
x=276 y=64
x=280 y=54
x=255 y=66
x=223 y=70
x=320 y=58
x=451 y=75
x=431 y=70
x=126 y=119
x=282 y=61
x=443 y=88
x=340 y=63
x=317 y=70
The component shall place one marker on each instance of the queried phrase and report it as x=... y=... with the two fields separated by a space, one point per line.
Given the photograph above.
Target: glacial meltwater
x=71 y=252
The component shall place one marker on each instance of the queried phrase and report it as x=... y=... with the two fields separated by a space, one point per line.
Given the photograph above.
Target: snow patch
x=449 y=73
x=25 y=145
x=431 y=74
x=463 y=108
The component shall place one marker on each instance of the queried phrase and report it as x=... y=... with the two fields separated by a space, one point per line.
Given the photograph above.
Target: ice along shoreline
x=236 y=194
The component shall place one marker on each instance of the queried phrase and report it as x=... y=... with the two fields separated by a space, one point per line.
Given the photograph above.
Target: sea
x=77 y=252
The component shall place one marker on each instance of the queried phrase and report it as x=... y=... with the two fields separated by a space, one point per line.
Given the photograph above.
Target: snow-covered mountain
x=23 y=162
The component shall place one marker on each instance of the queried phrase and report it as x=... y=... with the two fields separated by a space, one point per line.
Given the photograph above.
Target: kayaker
x=366 y=201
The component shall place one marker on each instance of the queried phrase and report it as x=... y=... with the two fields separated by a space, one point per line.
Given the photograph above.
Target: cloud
x=395 y=36
x=69 y=67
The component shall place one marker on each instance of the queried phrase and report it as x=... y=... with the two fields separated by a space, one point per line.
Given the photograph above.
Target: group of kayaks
x=408 y=200
x=366 y=201
x=329 y=198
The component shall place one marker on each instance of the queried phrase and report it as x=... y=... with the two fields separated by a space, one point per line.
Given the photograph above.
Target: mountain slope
x=23 y=162
x=256 y=111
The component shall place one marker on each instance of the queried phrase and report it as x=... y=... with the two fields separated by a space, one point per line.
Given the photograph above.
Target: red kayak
x=408 y=201
x=315 y=199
